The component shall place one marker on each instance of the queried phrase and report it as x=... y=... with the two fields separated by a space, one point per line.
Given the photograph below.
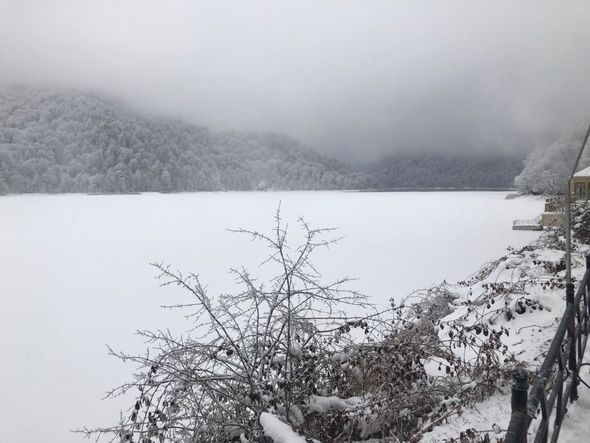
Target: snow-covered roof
x=583 y=173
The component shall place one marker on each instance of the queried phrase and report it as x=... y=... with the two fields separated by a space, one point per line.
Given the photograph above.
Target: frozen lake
x=75 y=275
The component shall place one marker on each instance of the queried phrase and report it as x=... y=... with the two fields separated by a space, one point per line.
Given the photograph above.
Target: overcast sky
x=353 y=79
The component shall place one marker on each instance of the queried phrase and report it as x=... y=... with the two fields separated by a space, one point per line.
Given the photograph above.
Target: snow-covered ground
x=535 y=295
x=576 y=425
x=75 y=275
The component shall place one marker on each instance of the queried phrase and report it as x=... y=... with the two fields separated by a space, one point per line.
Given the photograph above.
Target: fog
x=352 y=79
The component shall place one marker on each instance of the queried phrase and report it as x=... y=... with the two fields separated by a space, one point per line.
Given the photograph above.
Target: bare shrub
x=287 y=346
x=265 y=348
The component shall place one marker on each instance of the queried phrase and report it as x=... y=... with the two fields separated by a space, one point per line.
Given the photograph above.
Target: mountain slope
x=68 y=141
x=446 y=170
x=547 y=168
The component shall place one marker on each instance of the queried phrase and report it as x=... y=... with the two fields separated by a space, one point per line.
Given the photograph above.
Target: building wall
x=580 y=188
x=552 y=219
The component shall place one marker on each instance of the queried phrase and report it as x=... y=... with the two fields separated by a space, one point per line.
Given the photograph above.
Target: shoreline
x=385 y=190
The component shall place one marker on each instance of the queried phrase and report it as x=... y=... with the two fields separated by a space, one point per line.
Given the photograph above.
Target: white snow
x=277 y=430
x=583 y=173
x=435 y=366
x=321 y=404
x=576 y=424
x=481 y=418
x=531 y=332
x=75 y=275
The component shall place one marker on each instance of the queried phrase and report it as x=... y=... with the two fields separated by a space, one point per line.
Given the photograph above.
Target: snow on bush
x=522 y=294
x=278 y=431
x=282 y=361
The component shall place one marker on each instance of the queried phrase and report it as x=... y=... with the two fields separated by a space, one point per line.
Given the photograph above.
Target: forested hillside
x=446 y=170
x=547 y=168
x=68 y=141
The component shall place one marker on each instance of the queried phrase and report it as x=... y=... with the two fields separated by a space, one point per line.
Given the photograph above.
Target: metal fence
x=556 y=383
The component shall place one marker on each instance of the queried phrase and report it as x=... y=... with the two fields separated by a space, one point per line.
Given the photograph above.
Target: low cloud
x=353 y=79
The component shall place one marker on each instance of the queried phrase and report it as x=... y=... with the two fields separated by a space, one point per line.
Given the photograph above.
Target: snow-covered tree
x=548 y=167
x=47 y=135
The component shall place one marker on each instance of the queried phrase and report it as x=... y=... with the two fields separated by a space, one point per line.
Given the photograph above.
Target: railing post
x=571 y=333
x=587 y=288
x=516 y=432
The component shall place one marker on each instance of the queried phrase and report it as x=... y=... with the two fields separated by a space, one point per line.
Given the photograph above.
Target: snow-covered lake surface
x=75 y=275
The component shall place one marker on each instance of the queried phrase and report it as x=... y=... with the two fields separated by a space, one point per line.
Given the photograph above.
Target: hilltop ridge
x=71 y=141
x=62 y=140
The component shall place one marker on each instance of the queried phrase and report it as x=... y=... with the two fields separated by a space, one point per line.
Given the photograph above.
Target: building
x=580 y=185
x=580 y=190
x=553 y=215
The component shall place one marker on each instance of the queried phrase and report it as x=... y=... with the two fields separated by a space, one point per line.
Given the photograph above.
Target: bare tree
x=267 y=347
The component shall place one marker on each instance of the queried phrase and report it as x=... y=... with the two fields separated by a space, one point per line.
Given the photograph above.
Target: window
x=580 y=190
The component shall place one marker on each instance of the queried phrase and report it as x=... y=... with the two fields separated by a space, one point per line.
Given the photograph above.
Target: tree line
x=69 y=141
x=446 y=170
x=548 y=167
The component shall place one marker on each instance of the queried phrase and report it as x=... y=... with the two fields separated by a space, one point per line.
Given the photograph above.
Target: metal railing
x=560 y=367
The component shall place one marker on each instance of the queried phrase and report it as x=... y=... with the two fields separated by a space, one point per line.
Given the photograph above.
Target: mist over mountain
x=71 y=141
x=355 y=80
x=409 y=169
x=68 y=141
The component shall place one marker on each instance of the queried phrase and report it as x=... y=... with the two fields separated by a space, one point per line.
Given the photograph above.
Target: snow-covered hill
x=71 y=141
x=547 y=168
